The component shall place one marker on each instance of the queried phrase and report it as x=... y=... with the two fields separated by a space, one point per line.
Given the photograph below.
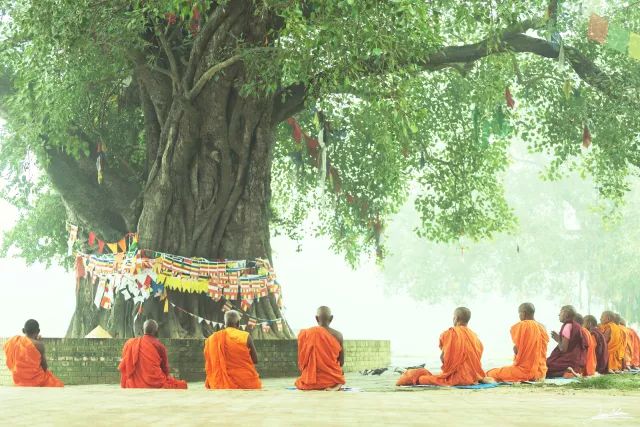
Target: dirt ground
x=378 y=404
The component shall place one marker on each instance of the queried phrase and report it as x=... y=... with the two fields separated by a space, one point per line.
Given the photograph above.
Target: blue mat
x=346 y=389
x=468 y=387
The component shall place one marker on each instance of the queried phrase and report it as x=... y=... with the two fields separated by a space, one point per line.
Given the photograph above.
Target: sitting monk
x=26 y=360
x=230 y=357
x=602 y=354
x=320 y=355
x=530 y=348
x=590 y=361
x=616 y=340
x=630 y=352
x=568 y=358
x=635 y=339
x=144 y=362
x=461 y=354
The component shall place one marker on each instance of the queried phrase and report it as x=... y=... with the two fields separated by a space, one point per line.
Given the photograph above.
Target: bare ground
x=379 y=404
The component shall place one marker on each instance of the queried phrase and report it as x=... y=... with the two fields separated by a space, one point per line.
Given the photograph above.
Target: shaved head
x=526 y=311
x=607 y=316
x=623 y=322
x=150 y=327
x=590 y=322
x=579 y=319
x=461 y=315
x=616 y=318
x=324 y=316
x=232 y=318
x=569 y=312
x=31 y=328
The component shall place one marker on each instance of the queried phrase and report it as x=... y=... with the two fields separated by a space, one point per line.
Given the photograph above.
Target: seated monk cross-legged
x=230 y=357
x=568 y=358
x=616 y=340
x=320 y=355
x=461 y=354
x=629 y=348
x=590 y=361
x=601 y=352
x=145 y=363
x=635 y=344
x=26 y=360
x=530 y=341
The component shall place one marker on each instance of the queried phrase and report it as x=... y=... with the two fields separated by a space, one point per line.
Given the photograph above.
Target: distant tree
x=569 y=244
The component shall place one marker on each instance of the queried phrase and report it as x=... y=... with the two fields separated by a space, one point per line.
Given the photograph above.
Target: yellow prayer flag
x=634 y=46
x=113 y=247
x=166 y=305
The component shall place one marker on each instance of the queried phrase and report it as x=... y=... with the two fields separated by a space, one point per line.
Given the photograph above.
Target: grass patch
x=608 y=382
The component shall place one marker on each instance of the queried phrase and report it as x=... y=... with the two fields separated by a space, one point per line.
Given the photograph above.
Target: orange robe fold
x=228 y=362
x=318 y=353
x=591 y=360
x=635 y=360
x=144 y=364
x=628 y=347
x=462 y=351
x=616 y=345
x=530 y=363
x=24 y=361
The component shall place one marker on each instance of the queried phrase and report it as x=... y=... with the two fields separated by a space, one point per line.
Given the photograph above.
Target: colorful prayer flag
x=618 y=39
x=92 y=238
x=598 y=28
x=113 y=247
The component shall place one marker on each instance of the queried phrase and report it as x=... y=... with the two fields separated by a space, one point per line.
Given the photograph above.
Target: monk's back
x=228 y=361
x=24 y=361
x=319 y=351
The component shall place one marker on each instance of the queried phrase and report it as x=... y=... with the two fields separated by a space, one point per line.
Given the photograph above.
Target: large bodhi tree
x=189 y=100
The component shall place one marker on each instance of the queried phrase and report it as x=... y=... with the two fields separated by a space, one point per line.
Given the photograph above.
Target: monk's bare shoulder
x=38 y=344
x=336 y=334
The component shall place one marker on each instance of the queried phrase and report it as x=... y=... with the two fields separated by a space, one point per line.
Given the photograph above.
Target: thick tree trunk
x=209 y=172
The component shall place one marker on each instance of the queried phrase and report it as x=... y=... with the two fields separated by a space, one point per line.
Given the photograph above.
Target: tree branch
x=110 y=208
x=207 y=75
x=219 y=14
x=460 y=57
x=175 y=75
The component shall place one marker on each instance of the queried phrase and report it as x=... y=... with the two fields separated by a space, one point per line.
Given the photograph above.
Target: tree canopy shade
x=189 y=100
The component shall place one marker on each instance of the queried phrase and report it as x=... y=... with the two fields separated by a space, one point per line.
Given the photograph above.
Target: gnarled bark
x=208 y=191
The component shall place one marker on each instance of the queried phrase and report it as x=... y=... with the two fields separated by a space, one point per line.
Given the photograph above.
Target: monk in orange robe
x=26 y=359
x=632 y=346
x=591 y=360
x=616 y=340
x=530 y=341
x=144 y=362
x=461 y=354
x=320 y=355
x=601 y=349
x=635 y=346
x=230 y=357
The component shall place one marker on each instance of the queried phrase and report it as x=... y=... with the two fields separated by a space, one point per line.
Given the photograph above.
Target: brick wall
x=95 y=361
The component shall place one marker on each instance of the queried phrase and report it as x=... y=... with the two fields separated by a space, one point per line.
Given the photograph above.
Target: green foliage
x=28 y=238
x=396 y=127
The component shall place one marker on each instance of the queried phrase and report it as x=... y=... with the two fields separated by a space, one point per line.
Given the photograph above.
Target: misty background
x=561 y=253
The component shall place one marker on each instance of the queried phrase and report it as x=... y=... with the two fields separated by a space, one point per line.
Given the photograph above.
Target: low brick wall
x=95 y=361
